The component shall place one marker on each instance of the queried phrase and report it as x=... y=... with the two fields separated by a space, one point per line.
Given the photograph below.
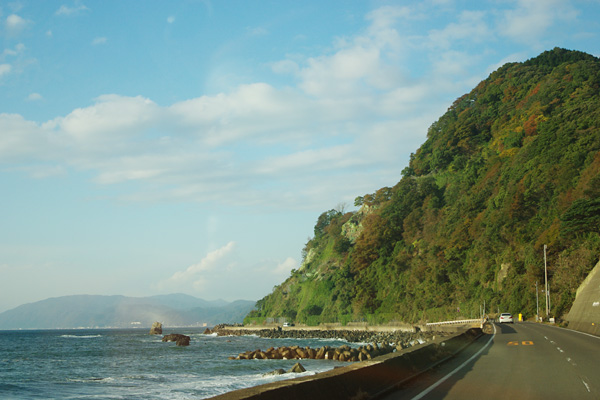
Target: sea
x=131 y=364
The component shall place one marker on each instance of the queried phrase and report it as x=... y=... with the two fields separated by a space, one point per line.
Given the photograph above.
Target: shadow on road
x=505 y=328
x=414 y=387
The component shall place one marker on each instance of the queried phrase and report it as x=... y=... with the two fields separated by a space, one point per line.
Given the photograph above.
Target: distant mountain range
x=92 y=311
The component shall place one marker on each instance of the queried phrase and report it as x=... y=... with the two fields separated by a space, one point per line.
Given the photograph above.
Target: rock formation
x=179 y=339
x=342 y=353
x=156 y=329
x=297 y=368
x=279 y=371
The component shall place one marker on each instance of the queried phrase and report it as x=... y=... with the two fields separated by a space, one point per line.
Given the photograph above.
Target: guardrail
x=460 y=321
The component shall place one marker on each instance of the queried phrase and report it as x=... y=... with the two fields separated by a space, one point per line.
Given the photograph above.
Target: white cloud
x=22 y=140
x=99 y=40
x=112 y=118
x=530 y=20
x=170 y=19
x=35 y=97
x=13 y=61
x=257 y=144
x=385 y=17
x=15 y=24
x=353 y=117
x=67 y=10
x=257 y=31
x=285 y=67
x=471 y=27
x=5 y=69
x=284 y=268
x=43 y=171
x=196 y=275
x=17 y=51
x=342 y=74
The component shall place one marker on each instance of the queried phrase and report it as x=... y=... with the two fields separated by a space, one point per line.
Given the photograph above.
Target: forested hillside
x=510 y=167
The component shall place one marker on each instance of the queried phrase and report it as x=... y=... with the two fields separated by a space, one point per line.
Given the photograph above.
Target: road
x=520 y=361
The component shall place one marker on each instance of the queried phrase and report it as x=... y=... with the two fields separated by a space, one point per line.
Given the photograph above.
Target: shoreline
x=364 y=378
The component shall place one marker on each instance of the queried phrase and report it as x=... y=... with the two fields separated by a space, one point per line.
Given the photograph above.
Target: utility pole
x=549 y=300
x=546 y=280
x=537 y=303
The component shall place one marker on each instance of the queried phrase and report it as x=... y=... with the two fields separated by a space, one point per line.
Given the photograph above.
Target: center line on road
x=430 y=388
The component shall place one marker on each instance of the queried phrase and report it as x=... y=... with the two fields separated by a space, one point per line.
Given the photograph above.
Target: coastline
x=364 y=379
x=392 y=338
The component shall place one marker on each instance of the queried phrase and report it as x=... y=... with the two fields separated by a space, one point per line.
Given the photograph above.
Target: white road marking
x=574 y=331
x=559 y=349
x=586 y=386
x=430 y=388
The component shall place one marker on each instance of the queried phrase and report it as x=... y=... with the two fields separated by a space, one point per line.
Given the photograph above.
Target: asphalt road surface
x=520 y=361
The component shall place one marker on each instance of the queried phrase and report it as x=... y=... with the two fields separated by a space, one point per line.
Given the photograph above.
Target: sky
x=189 y=146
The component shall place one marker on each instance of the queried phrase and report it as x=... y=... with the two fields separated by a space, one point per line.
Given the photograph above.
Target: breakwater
x=361 y=380
x=377 y=342
x=351 y=335
x=342 y=353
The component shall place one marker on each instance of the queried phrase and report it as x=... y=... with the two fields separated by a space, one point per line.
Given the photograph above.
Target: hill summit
x=511 y=167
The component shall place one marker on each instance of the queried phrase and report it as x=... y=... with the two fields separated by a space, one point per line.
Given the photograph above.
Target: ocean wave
x=91 y=379
x=80 y=336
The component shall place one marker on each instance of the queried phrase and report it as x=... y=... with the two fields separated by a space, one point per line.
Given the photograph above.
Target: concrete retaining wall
x=367 y=379
x=584 y=315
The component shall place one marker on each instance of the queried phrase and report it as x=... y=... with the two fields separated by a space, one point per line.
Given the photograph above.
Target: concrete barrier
x=456 y=322
x=367 y=379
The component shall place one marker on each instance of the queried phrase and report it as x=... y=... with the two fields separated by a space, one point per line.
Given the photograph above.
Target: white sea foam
x=111 y=367
x=91 y=379
x=80 y=336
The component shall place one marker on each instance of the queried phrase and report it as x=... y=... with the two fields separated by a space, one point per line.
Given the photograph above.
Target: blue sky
x=151 y=147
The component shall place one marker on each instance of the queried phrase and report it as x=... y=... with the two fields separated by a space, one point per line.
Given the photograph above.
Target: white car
x=505 y=317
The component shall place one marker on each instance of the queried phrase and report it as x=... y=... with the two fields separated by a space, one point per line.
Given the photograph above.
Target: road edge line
x=442 y=380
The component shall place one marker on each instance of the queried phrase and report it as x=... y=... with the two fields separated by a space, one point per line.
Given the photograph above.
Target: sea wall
x=366 y=379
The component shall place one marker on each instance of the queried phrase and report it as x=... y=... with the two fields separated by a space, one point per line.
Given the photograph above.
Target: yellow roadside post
x=520 y=317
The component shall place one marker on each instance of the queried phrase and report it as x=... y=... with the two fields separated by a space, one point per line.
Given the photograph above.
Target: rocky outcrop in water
x=179 y=339
x=296 y=369
x=156 y=329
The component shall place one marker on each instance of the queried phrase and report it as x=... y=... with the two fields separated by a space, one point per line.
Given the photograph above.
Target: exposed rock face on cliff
x=156 y=329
